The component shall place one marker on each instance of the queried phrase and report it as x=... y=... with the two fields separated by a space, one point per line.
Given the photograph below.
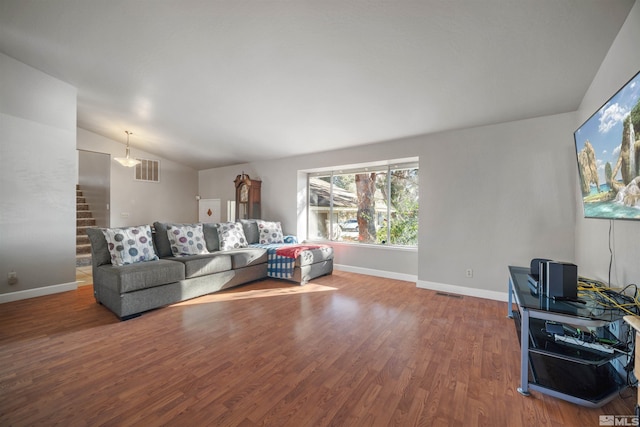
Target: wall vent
x=147 y=171
x=445 y=294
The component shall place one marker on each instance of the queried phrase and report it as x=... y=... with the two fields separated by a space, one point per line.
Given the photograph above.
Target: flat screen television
x=608 y=153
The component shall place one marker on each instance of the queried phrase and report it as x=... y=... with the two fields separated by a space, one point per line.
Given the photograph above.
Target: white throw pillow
x=130 y=245
x=270 y=232
x=231 y=235
x=186 y=240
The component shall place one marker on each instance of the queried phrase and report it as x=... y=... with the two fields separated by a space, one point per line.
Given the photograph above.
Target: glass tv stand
x=565 y=370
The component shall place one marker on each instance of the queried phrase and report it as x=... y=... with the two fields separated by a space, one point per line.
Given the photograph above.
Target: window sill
x=363 y=245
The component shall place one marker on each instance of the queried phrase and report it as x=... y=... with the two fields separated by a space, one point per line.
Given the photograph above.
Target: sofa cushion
x=133 y=277
x=130 y=245
x=202 y=265
x=161 y=240
x=270 y=232
x=231 y=236
x=186 y=240
x=313 y=256
x=246 y=257
x=250 y=228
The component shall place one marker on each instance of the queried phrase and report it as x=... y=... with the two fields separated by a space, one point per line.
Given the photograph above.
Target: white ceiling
x=211 y=83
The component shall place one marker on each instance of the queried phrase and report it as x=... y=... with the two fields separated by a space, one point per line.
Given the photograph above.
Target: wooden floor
x=344 y=350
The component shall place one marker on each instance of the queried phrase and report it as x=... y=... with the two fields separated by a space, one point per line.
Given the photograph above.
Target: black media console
x=562 y=350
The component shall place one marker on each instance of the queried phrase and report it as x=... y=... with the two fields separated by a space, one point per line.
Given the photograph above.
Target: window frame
x=385 y=167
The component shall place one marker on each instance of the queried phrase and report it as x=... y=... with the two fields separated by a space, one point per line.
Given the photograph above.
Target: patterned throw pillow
x=291 y=239
x=130 y=245
x=231 y=236
x=187 y=240
x=270 y=232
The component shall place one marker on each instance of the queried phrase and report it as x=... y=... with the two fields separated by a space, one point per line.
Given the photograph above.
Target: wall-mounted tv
x=608 y=153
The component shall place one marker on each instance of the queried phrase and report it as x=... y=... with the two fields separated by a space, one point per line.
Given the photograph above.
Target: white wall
x=134 y=202
x=495 y=196
x=37 y=181
x=592 y=235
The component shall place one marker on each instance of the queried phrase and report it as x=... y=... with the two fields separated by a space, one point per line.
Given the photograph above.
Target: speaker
x=560 y=279
x=536 y=266
x=536 y=275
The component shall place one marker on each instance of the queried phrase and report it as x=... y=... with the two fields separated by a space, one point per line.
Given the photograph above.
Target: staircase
x=84 y=220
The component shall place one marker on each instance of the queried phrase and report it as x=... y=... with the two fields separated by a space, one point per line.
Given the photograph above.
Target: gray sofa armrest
x=99 y=251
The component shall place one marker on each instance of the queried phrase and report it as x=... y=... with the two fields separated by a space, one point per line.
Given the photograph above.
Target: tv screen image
x=608 y=153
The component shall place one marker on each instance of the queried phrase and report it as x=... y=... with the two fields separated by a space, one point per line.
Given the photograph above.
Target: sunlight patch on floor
x=84 y=276
x=241 y=294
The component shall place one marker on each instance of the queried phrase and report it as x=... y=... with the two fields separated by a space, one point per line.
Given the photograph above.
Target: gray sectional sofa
x=129 y=290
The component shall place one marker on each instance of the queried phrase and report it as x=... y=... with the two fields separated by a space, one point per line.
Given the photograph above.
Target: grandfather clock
x=247 y=197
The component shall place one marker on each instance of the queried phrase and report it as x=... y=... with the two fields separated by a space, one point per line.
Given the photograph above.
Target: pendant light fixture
x=127 y=161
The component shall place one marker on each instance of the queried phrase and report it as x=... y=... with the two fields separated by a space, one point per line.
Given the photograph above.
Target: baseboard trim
x=38 y=292
x=377 y=273
x=462 y=290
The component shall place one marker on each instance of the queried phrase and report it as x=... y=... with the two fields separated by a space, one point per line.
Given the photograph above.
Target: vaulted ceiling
x=220 y=82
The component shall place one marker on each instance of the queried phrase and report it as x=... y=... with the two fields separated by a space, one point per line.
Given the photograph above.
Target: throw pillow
x=231 y=236
x=210 y=232
x=187 y=240
x=250 y=229
x=291 y=239
x=270 y=232
x=130 y=245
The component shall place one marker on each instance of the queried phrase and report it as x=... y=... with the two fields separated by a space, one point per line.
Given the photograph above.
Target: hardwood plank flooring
x=344 y=350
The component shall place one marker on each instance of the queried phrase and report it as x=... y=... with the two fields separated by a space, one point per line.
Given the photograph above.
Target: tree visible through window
x=372 y=205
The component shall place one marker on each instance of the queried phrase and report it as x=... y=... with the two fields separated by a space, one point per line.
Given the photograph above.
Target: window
x=374 y=205
x=147 y=170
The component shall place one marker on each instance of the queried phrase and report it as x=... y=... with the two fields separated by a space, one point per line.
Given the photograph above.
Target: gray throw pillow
x=251 y=232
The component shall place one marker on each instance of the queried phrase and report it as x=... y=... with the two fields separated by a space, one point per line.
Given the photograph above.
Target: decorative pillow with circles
x=130 y=245
x=187 y=240
x=231 y=236
x=270 y=232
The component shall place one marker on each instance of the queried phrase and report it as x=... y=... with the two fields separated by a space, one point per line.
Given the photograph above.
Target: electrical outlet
x=12 y=278
x=469 y=272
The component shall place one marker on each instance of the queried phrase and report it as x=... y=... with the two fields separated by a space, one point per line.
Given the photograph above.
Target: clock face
x=244 y=193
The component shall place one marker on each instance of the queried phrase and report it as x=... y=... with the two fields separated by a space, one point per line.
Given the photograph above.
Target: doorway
x=94 y=179
x=93 y=193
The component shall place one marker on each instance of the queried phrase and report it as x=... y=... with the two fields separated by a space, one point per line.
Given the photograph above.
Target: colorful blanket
x=282 y=258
